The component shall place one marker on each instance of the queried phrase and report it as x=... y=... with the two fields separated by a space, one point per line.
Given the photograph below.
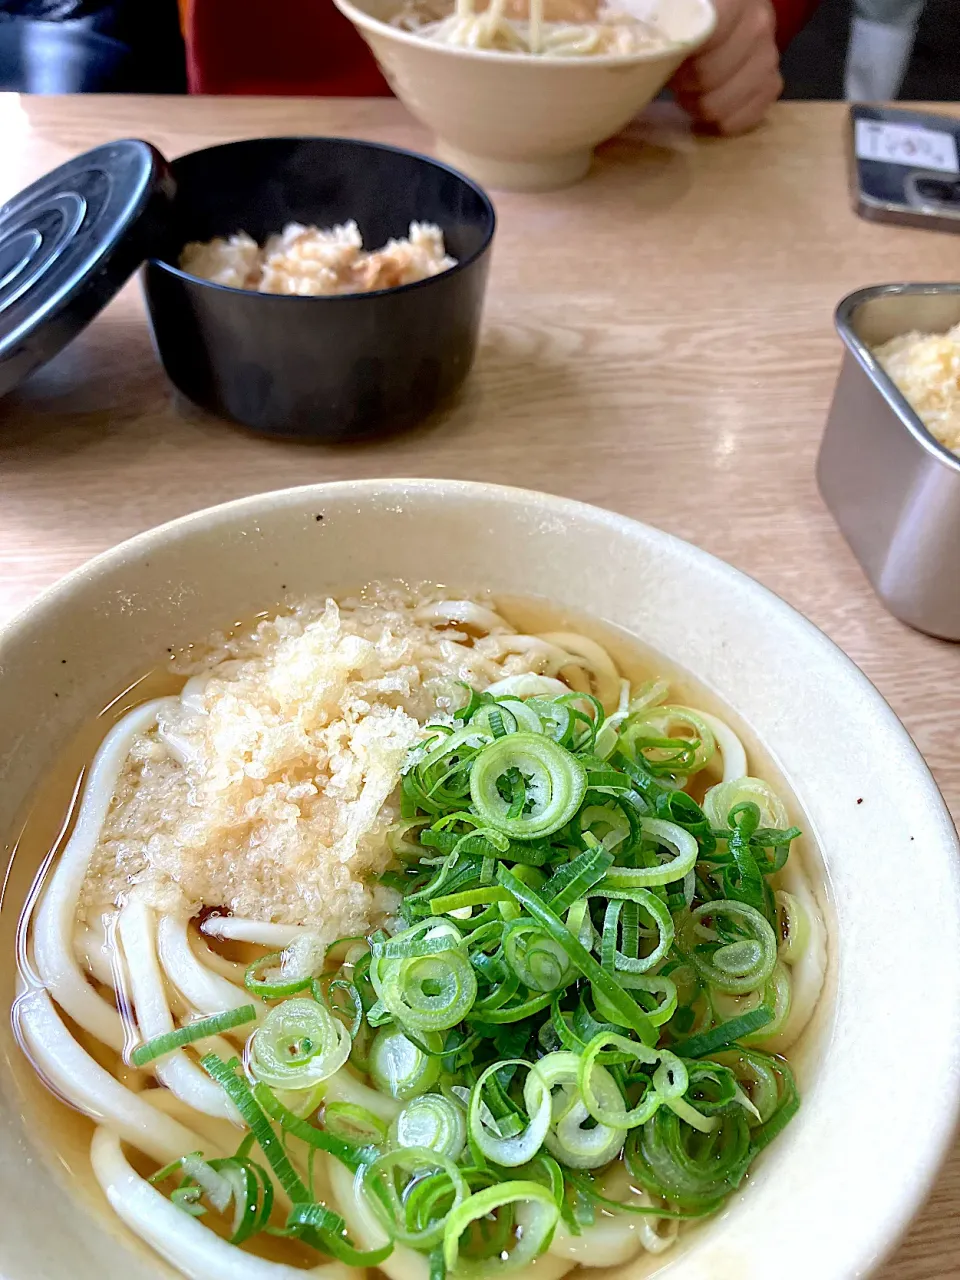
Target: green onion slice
x=758 y=1076
x=416 y=1214
x=685 y=854
x=571 y=881
x=584 y=1185
x=669 y=739
x=646 y=901
x=727 y=1033
x=343 y=1000
x=554 y=784
x=298 y=1045
x=574 y=1137
x=673 y=1079
x=468 y=898
x=400 y=1068
x=730 y=944
x=217 y=1188
x=607 y=823
x=324 y=1229
x=187 y=1200
x=240 y=1094
x=539 y=961
x=348 y=1153
x=434 y=1122
x=429 y=937
x=229 y=1178
x=787 y=1106
x=776 y=996
x=431 y=991
x=670 y=1159
x=159 y=1046
x=354 y=1124
x=536 y=1214
x=252 y=1196
x=656 y=993
x=486 y=1133
x=629 y=1013
x=793 y=926
x=719 y=800
x=265 y=978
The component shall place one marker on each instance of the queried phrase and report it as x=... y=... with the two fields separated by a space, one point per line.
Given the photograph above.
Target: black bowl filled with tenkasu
x=340 y=366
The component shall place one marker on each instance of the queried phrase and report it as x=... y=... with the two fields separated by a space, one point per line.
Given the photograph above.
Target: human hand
x=732 y=81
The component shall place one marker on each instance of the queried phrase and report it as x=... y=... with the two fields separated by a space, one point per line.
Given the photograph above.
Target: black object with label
x=905 y=167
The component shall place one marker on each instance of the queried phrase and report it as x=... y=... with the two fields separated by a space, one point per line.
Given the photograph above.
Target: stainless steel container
x=893 y=490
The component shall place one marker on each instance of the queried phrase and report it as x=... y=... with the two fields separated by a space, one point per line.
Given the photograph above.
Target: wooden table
x=658 y=340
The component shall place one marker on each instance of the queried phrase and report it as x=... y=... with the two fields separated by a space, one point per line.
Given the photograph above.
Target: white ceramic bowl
x=523 y=123
x=880 y=1077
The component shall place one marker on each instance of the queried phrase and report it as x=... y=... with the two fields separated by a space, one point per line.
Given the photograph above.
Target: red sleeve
x=277 y=47
x=307 y=47
x=792 y=15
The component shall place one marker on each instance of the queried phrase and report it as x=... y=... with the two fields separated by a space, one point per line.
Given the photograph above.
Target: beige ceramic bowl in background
x=879 y=1074
x=526 y=123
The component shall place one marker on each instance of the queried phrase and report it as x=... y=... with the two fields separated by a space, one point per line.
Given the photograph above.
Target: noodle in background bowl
x=835 y=1190
x=523 y=122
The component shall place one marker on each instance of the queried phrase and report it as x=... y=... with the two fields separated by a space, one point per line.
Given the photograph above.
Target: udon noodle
x=547 y=28
x=412 y=941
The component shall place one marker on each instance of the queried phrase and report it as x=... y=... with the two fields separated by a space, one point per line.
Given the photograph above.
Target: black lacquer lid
x=69 y=243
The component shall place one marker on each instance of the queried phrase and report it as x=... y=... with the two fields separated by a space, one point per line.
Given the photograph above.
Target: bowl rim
x=169 y=268
x=866 y=1247
x=360 y=18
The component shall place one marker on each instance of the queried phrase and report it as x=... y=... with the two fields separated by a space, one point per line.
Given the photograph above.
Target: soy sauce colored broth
x=148 y=935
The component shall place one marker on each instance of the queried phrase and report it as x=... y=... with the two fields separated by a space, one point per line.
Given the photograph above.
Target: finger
x=761 y=76
x=751 y=112
x=739 y=114
x=751 y=36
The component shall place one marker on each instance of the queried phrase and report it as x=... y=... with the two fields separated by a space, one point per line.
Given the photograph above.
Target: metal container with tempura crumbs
x=892 y=488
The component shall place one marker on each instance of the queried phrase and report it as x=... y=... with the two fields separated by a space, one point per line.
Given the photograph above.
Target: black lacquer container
x=343 y=366
x=335 y=368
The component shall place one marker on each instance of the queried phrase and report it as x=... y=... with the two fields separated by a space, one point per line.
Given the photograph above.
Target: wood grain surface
x=658 y=340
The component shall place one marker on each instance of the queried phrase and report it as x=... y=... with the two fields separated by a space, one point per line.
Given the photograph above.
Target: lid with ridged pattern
x=69 y=243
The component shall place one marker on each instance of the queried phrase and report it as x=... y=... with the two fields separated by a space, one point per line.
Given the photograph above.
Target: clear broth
x=64 y=1134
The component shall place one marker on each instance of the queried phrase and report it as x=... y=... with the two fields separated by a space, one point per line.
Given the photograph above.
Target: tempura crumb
x=234 y=261
x=926 y=369
x=268 y=787
x=312 y=262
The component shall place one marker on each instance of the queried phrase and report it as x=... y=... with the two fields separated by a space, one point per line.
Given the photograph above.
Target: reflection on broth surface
x=416 y=934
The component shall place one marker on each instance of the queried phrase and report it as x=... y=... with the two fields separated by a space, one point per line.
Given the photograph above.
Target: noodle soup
x=547 y=28
x=435 y=936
